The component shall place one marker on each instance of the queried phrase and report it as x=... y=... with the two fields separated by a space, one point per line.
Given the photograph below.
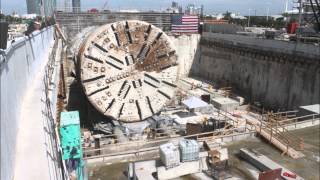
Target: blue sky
x=241 y=6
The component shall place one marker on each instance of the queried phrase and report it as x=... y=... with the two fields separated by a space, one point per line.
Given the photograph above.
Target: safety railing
x=276 y=125
x=163 y=134
x=144 y=146
x=276 y=128
x=50 y=82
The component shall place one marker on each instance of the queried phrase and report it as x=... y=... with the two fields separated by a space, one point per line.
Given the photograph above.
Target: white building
x=237 y=16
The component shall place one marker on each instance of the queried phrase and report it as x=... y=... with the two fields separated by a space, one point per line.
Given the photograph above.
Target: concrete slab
x=315 y=108
x=201 y=176
x=263 y=163
x=225 y=104
x=144 y=170
x=182 y=170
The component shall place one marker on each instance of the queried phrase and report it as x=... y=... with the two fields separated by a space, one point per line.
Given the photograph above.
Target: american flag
x=184 y=24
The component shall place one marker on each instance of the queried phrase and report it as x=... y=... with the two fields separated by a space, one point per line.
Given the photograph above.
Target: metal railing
x=142 y=146
x=276 y=125
x=171 y=134
x=50 y=82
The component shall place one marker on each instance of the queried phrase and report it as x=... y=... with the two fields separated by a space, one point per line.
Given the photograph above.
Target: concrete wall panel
x=280 y=75
x=186 y=47
x=18 y=67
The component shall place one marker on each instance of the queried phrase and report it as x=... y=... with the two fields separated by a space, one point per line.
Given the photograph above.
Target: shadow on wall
x=195 y=67
x=197 y=72
x=78 y=101
x=276 y=80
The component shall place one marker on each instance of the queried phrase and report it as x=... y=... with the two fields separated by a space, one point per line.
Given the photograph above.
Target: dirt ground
x=307 y=167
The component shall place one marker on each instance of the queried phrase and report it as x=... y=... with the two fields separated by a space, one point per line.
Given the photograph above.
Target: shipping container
x=292 y=27
x=189 y=150
x=169 y=155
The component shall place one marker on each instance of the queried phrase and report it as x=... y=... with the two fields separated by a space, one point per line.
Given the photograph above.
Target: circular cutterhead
x=128 y=70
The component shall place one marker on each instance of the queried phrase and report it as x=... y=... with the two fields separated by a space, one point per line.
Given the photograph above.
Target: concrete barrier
x=18 y=66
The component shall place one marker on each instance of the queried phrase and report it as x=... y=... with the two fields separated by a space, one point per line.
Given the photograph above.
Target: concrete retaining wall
x=186 y=48
x=18 y=67
x=278 y=74
x=222 y=28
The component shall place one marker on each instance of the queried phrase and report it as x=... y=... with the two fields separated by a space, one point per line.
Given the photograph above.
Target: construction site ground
x=307 y=167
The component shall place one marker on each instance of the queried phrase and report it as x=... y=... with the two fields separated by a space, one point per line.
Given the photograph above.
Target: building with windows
x=41 y=7
x=76 y=6
x=194 y=10
x=175 y=8
x=33 y=7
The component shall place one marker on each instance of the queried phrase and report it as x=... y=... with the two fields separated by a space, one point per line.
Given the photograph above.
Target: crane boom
x=105 y=5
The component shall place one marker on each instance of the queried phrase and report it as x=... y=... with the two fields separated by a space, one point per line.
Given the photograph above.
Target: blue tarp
x=194 y=102
x=71 y=142
x=70 y=134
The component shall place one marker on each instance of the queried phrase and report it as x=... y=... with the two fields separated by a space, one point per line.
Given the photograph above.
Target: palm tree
x=227 y=16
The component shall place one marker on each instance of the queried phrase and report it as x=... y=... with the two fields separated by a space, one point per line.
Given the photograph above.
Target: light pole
x=268 y=10
x=286 y=6
x=249 y=18
x=300 y=12
x=300 y=20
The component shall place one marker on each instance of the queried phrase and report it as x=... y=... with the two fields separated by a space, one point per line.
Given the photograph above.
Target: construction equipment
x=105 y=5
x=128 y=70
